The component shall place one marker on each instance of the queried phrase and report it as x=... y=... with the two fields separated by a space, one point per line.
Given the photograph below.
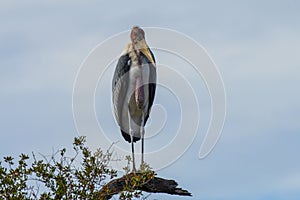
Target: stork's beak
x=143 y=47
x=147 y=53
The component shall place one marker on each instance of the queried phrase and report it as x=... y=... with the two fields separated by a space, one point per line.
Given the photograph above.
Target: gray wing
x=152 y=87
x=120 y=85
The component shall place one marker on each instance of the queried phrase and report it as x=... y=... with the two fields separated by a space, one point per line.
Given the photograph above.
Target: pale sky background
x=255 y=44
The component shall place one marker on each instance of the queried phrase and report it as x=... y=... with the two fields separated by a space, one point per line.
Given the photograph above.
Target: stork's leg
x=132 y=145
x=142 y=159
x=142 y=138
x=132 y=151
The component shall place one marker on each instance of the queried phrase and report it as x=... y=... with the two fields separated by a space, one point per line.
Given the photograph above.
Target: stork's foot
x=134 y=170
x=144 y=167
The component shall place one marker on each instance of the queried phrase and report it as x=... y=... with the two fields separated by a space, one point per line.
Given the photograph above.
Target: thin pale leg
x=133 y=159
x=142 y=159
x=142 y=138
x=132 y=145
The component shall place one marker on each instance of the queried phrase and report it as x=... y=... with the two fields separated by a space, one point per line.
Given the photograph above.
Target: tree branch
x=149 y=184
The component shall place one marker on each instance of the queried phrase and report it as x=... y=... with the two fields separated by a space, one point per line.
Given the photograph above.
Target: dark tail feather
x=127 y=137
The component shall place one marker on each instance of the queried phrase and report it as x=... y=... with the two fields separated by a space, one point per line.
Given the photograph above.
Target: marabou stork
x=133 y=89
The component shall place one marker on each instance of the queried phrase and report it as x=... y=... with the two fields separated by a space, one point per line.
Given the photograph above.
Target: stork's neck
x=134 y=54
x=138 y=48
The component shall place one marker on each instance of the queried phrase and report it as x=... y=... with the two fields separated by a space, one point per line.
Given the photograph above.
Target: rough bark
x=152 y=185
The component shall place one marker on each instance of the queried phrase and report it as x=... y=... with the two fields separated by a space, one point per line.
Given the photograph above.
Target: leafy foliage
x=62 y=177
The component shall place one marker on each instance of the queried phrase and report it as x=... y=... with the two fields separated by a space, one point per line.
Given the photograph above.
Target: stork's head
x=138 y=41
x=137 y=35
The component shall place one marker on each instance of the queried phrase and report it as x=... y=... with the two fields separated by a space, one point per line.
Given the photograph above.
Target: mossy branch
x=146 y=181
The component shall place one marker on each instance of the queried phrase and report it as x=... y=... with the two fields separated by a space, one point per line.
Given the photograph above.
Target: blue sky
x=255 y=44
